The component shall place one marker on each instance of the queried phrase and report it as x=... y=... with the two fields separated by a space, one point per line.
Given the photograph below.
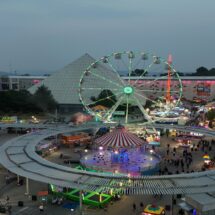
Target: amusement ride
x=130 y=98
x=120 y=89
x=126 y=97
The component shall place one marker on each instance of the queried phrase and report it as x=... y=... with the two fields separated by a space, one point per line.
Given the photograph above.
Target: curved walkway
x=18 y=155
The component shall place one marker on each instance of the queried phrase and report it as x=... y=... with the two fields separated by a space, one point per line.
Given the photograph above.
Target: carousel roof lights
x=119 y=138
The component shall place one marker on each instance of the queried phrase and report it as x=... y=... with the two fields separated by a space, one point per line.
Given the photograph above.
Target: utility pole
x=80 y=201
x=27 y=187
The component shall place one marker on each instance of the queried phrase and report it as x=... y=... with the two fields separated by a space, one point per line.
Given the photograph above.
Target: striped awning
x=119 y=138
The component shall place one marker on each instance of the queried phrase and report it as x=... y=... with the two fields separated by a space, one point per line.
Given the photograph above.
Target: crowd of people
x=182 y=159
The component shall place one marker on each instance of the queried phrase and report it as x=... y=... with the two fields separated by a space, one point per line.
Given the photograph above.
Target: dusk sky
x=45 y=35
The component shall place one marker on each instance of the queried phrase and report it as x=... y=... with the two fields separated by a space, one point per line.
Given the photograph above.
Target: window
x=14 y=86
x=5 y=87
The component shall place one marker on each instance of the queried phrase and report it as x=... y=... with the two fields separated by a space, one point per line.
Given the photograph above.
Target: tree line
x=23 y=101
x=201 y=71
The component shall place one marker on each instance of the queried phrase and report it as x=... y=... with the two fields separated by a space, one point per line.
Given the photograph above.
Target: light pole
x=80 y=201
x=27 y=187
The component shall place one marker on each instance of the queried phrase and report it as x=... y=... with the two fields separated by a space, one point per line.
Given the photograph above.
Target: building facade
x=64 y=85
x=193 y=87
x=15 y=82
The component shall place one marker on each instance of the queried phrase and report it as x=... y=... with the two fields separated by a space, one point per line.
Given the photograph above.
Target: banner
x=8 y=119
x=203 y=89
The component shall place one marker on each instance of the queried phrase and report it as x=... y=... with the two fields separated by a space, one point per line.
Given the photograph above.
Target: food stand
x=75 y=138
x=153 y=210
x=46 y=147
x=43 y=196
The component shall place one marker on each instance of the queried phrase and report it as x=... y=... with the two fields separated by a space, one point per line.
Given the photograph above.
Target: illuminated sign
x=35 y=81
x=8 y=119
x=203 y=89
x=119 y=113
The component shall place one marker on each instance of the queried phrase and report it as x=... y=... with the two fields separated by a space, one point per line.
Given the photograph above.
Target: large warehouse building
x=64 y=84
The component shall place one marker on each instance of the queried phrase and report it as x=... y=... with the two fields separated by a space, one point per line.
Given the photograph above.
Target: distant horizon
x=36 y=73
x=49 y=72
x=43 y=36
x=42 y=72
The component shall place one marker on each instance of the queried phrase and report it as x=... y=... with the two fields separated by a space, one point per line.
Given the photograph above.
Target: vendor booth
x=153 y=210
x=201 y=204
x=75 y=138
x=46 y=147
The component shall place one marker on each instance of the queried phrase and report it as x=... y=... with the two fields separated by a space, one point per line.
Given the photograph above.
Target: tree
x=17 y=101
x=166 y=74
x=180 y=73
x=202 y=71
x=148 y=104
x=139 y=72
x=105 y=98
x=44 y=99
x=210 y=115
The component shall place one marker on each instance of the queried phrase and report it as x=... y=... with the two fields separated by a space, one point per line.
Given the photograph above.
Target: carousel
x=121 y=152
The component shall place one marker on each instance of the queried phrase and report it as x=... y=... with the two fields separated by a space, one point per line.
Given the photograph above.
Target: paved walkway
x=124 y=206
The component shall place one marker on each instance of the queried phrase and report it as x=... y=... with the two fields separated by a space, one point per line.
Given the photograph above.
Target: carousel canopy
x=119 y=138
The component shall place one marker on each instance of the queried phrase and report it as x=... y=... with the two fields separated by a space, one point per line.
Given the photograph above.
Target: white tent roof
x=119 y=138
x=203 y=201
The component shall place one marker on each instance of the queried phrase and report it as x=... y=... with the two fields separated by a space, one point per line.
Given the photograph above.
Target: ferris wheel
x=125 y=86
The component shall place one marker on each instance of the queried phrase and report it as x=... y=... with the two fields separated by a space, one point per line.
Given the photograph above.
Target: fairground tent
x=119 y=138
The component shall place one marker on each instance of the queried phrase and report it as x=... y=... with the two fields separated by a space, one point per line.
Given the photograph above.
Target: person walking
x=134 y=207
x=141 y=205
x=41 y=208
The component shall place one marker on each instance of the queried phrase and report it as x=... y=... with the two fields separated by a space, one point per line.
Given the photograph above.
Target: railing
x=31 y=140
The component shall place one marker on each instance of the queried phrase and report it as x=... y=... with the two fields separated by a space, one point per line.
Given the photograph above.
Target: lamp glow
x=128 y=90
